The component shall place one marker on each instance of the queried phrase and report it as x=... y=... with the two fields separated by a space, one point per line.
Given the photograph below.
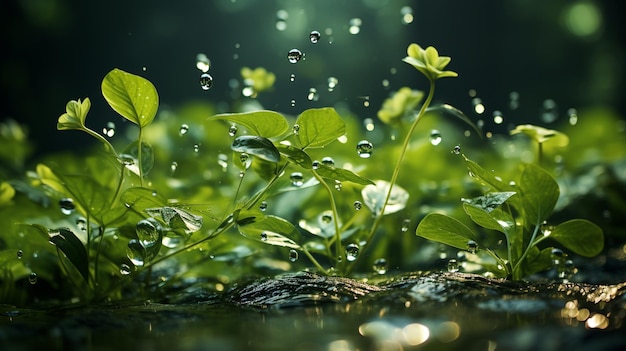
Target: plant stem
x=333 y=206
x=139 y=163
x=516 y=274
x=396 y=170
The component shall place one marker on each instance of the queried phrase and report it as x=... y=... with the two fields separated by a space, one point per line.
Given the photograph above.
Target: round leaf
x=132 y=96
x=580 y=236
x=319 y=127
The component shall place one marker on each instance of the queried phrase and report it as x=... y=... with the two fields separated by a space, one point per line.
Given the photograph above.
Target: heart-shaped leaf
x=268 y=124
x=319 y=127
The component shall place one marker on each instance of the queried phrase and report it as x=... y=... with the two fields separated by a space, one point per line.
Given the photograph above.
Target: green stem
x=540 y=153
x=139 y=163
x=333 y=206
x=531 y=243
x=396 y=170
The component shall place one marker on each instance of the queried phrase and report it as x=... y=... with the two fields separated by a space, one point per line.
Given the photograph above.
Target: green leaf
x=72 y=247
x=542 y=135
x=142 y=198
x=490 y=201
x=258 y=146
x=264 y=169
x=177 y=218
x=271 y=230
x=147 y=158
x=580 y=236
x=296 y=155
x=75 y=115
x=268 y=124
x=6 y=193
x=494 y=220
x=319 y=127
x=446 y=230
x=537 y=261
x=342 y=175
x=539 y=193
x=484 y=177
x=132 y=96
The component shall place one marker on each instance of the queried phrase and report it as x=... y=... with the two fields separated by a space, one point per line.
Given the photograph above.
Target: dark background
x=58 y=50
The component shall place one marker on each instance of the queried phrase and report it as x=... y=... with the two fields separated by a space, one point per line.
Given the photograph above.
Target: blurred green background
x=569 y=52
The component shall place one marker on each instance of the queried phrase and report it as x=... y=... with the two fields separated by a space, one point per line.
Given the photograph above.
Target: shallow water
x=431 y=311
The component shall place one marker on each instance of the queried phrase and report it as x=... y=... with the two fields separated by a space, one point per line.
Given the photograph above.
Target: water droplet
x=293 y=102
x=20 y=254
x=352 y=252
x=313 y=95
x=281 y=18
x=326 y=217
x=174 y=166
x=232 y=130
x=264 y=236
x=479 y=108
x=125 y=269
x=355 y=26
x=135 y=252
x=296 y=129
x=109 y=129
x=557 y=256
x=332 y=83
x=472 y=246
x=148 y=231
x=453 y=266
x=32 y=278
x=435 y=137
x=405 y=225
x=328 y=161
x=222 y=160
x=572 y=116
x=263 y=206
x=369 y=124
x=245 y=160
x=297 y=179
x=338 y=185
x=380 y=266
x=206 y=81
x=67 y=205
x=315 y=164
x=497 y=117
x=549 y=111
x=292 y=78
x=407 y=15
x=315 y=36
x=513 y=100
x=183 y=129
x=456 y=150
x=364 y=149
x=293 y=255
x=196 y=148
x=294 y=55
x=81 y=223
x=203 y=63
x=358 y=205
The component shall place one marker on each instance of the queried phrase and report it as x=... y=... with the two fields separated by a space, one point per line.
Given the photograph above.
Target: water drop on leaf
x=328 y=161
x=232 y=130
x=358 y=205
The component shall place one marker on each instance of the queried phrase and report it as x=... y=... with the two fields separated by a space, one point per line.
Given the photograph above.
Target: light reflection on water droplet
x=315 y=164
x=222 y=160
x=315 y=36
x=206 y=81
x=297 y=179
x=435 y=137
x=263 y=206
x=407 y=15
x=364 y=149
x=292 y=78
x=405 y=225
x=572 y=116
x=352 y=252
x=264 y=236
x=135 y=252
x=456 y=150
x=497 y=117
x=313 y=95
x=479 y=108
x=294 y=55
x=338 y=185
x=328 y=161
x=355 y=26
x=203 y=63
x=109 y=129
x=174 y=166
x=380 y=266
x=67 y=206
x=232 y=130
x=296 y=129
x=332 y=83
x=453 y=266
x=20 y=254
x=293 y=255
x=293 y=103
x=32 y=278
x=369 y=124
x=358 y=205
x=184 y=128
x=472 y=246
x=125 y=269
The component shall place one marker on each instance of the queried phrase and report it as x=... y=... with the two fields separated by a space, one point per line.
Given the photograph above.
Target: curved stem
x=396 y=170
x=333 y=208
x=521 y=259
x=139 y=163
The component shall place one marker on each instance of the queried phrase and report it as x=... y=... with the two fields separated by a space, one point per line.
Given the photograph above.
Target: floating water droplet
x=338 y=185
x=293 y=255
x=264 y=236
x=358 y=205
x=513 y=100
x=196 y=148
x=355 y=26
x=479 y=108
x=184 y=128
x=453 y=266
x=81 y=224
x=294 y=55
x=557 y=256
x=435 y=137
x=292 y=78
x=472 y=246
x=296 y=129
x=315 y=164
x=174 y=166
x=352 y=252
x=405 y=225
x=135 y=253
x=263 y=206
x=380 y=266
x=328 y=161
x=456 y=150
x=206 y=81
x=297 y=179
x=232 y=130
x=369 y=124
x=281 y=18
x=125 y=269
x=313 y=95
x=203 y=63
x=245 y=159
x=293 y=102
x=109 y=129
x=67 y=205
x=148 y=232
x=32 y=278
x=332 y=83
x=20 y=254
x=497 y=117
x=572 y=116
x=407 y=15
x=364 y=149
x=315 y=36
x=549 y=112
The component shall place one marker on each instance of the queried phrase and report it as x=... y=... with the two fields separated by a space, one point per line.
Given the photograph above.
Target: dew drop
x=294 y=55
x=479 y=108
x=109 y=129
x=67 y=205
x=453 y=266
x=263 y=206
x=364 y=149
x=352 y=252
x=174 y=166
x=315 y=164
x=203 y=63
x=435 y=137
x=293 y=102
x=332 y=83
x=456 y=150
x=196 y=148
x=369 y=124
x=135 y=252
x=32 y=278
x=184 y=128
x=338 y=185
x=380 y=266
x=20 y=254
x=206 y=81
x=297 y=179
x=125 y=269
x=472 y=246
x=292 y=78
x=232 y=130
x=148 y=231
x=264 y=236
x=296 y=129
x=293 y=255
x=315 y=36
x=405 y=225
x=245 y=159
x=328 y=161
x=557 y=256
